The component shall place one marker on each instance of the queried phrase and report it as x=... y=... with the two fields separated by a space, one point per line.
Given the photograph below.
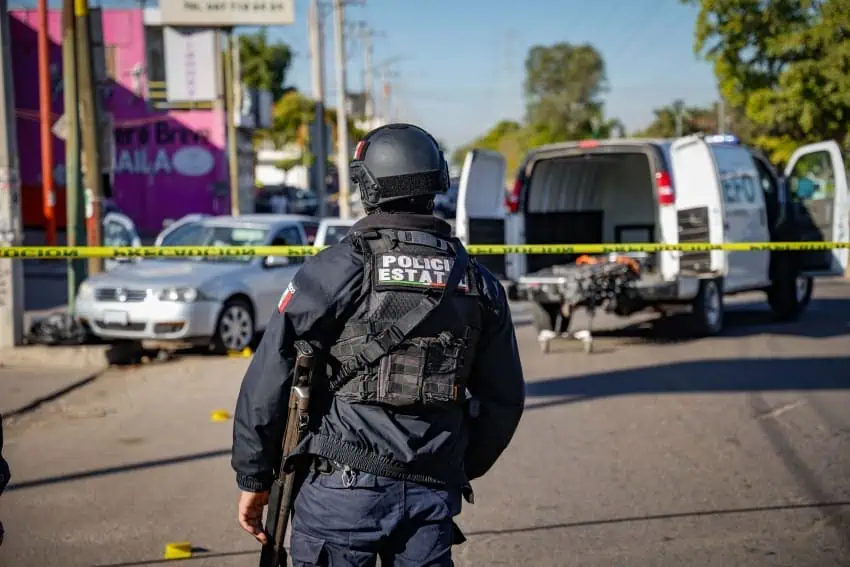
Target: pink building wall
x=167 y=163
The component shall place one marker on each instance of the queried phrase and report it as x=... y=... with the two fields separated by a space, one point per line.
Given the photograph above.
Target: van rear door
x=480 y=215
x=820 y=204
x=698 y=204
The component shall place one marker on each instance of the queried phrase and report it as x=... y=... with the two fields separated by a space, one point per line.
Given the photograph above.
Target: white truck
x=693 y=189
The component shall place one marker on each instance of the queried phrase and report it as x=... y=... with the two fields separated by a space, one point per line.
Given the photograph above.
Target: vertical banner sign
x=190 y=65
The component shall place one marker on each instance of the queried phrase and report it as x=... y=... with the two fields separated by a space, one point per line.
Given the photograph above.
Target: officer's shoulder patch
x=408 y=271
x=286 y=297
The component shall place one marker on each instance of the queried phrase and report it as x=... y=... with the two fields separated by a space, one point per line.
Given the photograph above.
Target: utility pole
x=231 y=106
x=366 y=36
x=48 y=192
x=341 y=113
x=721 y=116
x=368 y=81
x=386 y=74
x=11 y=271
x=88 y=124
x=679 y=108
x=319 y=143
x=75 y=209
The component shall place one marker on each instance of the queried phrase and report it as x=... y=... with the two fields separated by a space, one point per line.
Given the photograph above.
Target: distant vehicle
x=692 y=189
x=218 y=302
x=332 y=230
x=445 y=205
x=299 y=201
x=118 y=230
x=184 y=229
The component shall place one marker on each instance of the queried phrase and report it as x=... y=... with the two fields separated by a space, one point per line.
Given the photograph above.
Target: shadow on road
x=657 y=517
x=824 y=318
x=202 y=554
x=699 y=376
x=752 y=377
x=116 y=470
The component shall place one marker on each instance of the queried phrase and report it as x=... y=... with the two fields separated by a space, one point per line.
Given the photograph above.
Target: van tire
x=707 y=317
x=545 y=317
x=790 y=292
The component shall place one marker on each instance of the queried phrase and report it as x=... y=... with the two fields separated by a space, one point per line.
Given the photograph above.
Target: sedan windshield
x=218 y=235
x=335 y=233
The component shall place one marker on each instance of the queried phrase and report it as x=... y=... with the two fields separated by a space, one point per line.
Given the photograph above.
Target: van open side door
x=699 y=206
x=480 y=216
x=820 y=206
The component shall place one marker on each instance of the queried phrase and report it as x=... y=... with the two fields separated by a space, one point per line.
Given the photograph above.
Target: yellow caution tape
x=70 y=252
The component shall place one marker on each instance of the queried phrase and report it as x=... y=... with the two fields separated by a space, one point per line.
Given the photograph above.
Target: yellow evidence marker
x=220 y=415
x=178 y=550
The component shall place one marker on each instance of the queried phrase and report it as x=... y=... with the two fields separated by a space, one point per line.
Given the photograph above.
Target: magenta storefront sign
x=166 y=164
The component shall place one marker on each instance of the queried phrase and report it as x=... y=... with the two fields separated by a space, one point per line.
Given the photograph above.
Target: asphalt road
x=652 y=451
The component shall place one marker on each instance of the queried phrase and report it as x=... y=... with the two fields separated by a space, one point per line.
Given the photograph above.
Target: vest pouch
x=363 y=388
x=444 y=361
x=422 y=371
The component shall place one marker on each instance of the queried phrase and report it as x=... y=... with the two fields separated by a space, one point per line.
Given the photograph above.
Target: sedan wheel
x=235 y=329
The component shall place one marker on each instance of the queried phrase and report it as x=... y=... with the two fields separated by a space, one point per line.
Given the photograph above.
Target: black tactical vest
x=430 y=366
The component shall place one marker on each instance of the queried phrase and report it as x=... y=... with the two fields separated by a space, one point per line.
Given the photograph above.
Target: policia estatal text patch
x=407 y=270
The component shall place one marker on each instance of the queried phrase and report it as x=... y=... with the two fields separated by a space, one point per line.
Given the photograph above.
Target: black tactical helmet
x=398 y=161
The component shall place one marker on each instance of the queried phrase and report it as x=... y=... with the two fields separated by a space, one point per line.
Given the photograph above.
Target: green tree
x=564 y=84
x=507 y=137
x=563 y=88
x=292 y=117
x=694 y=119
x=786 y=63
x=264 y=65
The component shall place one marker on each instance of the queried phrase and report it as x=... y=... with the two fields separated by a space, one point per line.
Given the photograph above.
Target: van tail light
x=512 y=198
x=666 y=195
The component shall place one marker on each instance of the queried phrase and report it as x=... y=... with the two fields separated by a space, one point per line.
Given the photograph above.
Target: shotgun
x=282 y=494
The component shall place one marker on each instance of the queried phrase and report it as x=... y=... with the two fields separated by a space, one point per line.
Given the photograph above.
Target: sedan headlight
x=86 y=291
x=179 y=294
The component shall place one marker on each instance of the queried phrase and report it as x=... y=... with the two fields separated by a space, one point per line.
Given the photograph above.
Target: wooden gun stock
x=281 y=494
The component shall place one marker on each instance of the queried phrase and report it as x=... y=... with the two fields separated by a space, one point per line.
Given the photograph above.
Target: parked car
x=118 y=229
x=299 y=201
x=332 y=230
x=183 y=229
x=445 y=204
x=220 y=302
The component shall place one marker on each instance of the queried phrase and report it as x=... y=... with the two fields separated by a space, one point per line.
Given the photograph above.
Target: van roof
x=662 y=144
x=608 y=142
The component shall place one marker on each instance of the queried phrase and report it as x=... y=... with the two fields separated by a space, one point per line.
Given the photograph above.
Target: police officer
x=4 y=473
x=421 y=388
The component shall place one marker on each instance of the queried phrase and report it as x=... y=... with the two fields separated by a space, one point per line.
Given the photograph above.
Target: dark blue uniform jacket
x=327 y=289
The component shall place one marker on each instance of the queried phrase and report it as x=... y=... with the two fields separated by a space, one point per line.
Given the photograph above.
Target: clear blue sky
x=460 y=66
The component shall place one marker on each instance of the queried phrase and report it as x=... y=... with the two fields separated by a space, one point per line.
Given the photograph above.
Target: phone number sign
x=227 y=13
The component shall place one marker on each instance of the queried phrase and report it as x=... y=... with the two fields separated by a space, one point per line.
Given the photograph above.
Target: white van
x=692 y=189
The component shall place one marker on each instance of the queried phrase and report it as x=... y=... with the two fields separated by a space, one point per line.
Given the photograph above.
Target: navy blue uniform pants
x=350 y=518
